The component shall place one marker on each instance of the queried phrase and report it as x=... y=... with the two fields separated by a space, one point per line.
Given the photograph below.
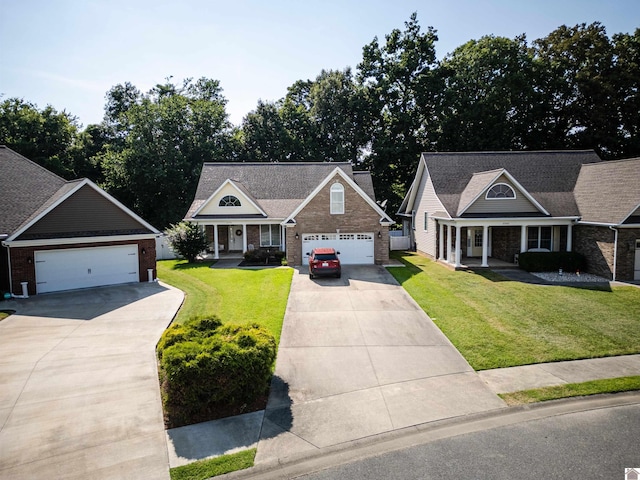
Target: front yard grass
x=495 y=322
x=214 y=466
x=610 y=385
x=233 y=295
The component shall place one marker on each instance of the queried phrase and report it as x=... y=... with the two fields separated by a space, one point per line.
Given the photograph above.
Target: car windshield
x=325 y=256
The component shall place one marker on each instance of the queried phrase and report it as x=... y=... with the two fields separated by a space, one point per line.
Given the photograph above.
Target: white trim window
x=270 y=235
x=539 y=238
x=229 y=201
x=501 y=191
x=426 y=221
x=337 y=199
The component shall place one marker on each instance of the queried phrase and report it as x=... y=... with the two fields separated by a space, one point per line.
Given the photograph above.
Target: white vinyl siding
x=519 y=204
x=426 y=203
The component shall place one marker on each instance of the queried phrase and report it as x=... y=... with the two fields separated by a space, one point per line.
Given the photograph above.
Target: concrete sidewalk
x=527 y=377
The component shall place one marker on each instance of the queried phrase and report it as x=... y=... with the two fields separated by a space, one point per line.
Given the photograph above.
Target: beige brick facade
x=359 y=216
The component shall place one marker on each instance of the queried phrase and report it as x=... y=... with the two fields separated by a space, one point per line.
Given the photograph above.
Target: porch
x=472 y=263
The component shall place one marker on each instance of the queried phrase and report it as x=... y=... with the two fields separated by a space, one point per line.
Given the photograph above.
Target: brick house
x=489 y=205
x=60 y=235
x=291 y=207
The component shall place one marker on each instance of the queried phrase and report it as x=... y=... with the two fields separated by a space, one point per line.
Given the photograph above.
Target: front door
x=474 y=242
x=636 y=268
x=235 y=238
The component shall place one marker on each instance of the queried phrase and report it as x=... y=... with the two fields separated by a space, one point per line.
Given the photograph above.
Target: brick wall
x=596 y=244
x=626 y=253
x=505 y=243
x=23 y=266
x=316 y=217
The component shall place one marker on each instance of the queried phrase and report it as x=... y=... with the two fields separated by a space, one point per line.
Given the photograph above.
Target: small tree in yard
x=187 y=239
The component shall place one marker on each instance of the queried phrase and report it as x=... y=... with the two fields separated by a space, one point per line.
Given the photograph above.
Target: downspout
x=615 y=251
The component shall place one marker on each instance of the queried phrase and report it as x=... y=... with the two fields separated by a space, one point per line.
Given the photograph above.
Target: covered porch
x=481 y=243
x=231 y=239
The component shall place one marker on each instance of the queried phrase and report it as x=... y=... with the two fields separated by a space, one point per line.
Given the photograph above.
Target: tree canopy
x=577 y=87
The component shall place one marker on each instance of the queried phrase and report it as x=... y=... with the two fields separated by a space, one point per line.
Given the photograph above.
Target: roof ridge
x=275 y=163
x=511 y=152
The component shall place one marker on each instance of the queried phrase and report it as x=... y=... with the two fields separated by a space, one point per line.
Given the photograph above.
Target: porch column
x=569 y=235
x=216 y=253
x=485 y=245
x=282 y=239
x=458 y=234
x=523 y=239
x=441 y=242
x=244 y=237
x=449 y=258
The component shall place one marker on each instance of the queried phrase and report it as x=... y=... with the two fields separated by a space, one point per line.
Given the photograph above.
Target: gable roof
x=609 y=192
x=278 y=188
x=26 y=188
x=34 y=191
x=548 y=176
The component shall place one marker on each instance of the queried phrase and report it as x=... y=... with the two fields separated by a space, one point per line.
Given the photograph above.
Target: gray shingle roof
x=608 y=192
x=477 y=183
x=26 y=189
x=278 y=188
x=549 y=176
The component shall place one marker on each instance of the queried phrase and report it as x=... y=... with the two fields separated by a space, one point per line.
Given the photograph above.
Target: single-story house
x=291 y=207
x=500 y=204
x=60 y=235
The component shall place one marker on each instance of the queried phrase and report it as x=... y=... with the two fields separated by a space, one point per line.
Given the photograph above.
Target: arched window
x=500 y=190
x=337 y=199
x=229 y=201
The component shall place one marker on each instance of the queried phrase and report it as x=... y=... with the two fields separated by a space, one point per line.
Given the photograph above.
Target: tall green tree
x=46 y=136
x=170 y=133
x=403 y=93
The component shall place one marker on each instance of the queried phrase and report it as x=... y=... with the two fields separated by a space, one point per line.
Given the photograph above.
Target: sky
x=69 y=53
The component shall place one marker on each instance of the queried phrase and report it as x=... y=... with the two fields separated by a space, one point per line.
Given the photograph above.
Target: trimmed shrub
x=208 y=368
x=551 y=261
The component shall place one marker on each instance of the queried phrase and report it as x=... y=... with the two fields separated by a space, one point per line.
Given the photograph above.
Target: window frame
x=538 y=237
x=426 y=221
x=501 y=184
x=336 y=206
x=229 y=202
x=274 y=228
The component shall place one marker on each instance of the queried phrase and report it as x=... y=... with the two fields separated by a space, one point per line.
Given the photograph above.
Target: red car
x=324 y=261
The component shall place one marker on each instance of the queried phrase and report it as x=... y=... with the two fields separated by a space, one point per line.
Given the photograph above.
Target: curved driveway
x=358 y=357
x=79 y=394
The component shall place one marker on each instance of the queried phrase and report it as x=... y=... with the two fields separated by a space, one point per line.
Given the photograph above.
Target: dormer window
x=337 y=199
x=500 y=191
x=229 y=201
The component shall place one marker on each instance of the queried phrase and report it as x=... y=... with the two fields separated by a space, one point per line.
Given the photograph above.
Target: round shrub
x=207 y=366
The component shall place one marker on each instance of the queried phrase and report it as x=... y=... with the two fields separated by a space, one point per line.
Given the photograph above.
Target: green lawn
x=234 y=295
x=4 y=314
x=497 y=323
x=214 y=466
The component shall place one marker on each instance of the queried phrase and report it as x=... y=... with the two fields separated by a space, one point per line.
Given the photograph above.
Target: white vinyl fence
x=397 y=241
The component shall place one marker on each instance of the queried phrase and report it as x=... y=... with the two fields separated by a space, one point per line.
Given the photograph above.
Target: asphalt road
x=593 y=444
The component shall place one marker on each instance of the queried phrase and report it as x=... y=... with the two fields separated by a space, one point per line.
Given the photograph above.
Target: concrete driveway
x=358 y=357
x=79 y=395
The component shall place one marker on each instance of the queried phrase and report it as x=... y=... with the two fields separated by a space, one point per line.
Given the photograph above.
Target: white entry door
x=236 y=234
x=72 y=268
x=354 y=248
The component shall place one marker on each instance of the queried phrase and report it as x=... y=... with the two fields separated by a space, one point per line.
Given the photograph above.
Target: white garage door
x=85 y=267
x=354 y=248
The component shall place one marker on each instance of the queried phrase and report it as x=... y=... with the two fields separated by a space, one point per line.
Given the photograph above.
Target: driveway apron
x=358 y=357
x=79 y=394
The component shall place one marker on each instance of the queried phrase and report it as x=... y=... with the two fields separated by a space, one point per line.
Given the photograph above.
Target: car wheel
x=338 y=275
x=311 y=275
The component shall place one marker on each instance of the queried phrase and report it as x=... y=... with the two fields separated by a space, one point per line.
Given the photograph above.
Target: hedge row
x=551 y=261
x=208 y=367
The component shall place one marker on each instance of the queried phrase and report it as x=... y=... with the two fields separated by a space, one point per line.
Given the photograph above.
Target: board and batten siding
x=520 y=204
x=85 y=211
x=427 y=201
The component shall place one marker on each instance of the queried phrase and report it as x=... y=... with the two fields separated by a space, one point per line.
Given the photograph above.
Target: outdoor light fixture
x=297 y=236
x=379 y=234
x=29 y=260
x=144 y=252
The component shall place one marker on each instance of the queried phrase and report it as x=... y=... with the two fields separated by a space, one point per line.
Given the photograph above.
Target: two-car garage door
x=354 y=248
x=72 y=268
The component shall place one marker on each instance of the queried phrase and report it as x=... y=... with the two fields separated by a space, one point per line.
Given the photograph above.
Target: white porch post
x=449 y=258
x=569 y=235
x=282 y=239
x=216 y=253
x=441 y=242
x=244 y=237
x=458 y=232
x=523 y=239
x=485 y=245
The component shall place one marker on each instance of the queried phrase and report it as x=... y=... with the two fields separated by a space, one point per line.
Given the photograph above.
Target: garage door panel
x=354 y=248
x=73 y=268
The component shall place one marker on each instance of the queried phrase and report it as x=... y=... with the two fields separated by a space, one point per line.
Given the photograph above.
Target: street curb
x=301 y=464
